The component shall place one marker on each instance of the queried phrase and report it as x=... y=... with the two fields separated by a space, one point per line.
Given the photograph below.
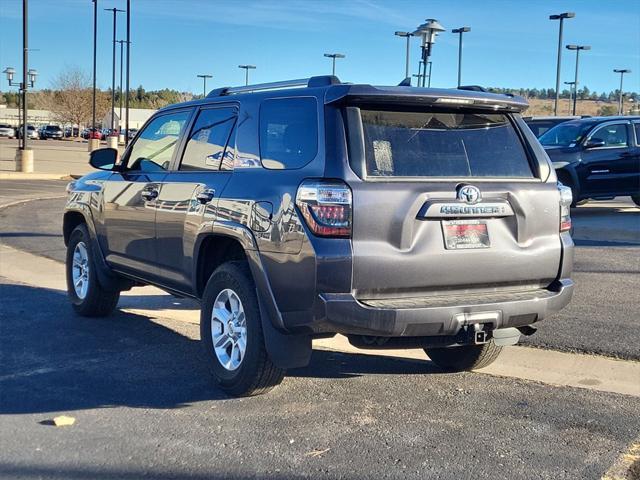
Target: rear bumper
x=342 y=313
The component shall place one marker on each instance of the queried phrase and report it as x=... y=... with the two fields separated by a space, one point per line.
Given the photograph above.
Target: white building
x=137 y=117
x=13 y=116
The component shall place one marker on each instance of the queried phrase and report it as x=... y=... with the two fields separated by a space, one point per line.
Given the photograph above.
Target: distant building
x=137 y=117
x=13 y=116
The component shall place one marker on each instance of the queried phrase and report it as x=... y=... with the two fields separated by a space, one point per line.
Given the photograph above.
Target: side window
x=614 y=135
x=288 y=132
x=208 y=140
x=155 y=145
x=636 y=127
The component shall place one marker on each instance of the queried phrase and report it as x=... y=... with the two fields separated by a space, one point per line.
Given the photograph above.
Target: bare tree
x=70 y=99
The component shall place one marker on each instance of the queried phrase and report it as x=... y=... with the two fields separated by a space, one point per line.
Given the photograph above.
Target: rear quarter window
x=442 y=144
x=288 y=132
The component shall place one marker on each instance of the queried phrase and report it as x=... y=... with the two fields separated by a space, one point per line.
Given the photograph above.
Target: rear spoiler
x=450 y=98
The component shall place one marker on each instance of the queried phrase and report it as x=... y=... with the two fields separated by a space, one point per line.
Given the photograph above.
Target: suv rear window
x=442 y=144
x=288 y=132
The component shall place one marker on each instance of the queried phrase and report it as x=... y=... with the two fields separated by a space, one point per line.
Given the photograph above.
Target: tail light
x=326 y=207
x=566 y=199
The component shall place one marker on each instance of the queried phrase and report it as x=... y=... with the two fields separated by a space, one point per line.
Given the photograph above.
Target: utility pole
x=620 y=100
x=560 y=17
x=95 y=43
x=333 y=57
x=408 y=36
x=126 y=102
x=113 y=69
x=460 y=31
x=577 y=48
x=25 y=67
x=204 y=87
x=246 y=72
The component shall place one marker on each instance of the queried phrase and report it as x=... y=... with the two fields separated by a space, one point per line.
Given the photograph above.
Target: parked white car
x=7 y=131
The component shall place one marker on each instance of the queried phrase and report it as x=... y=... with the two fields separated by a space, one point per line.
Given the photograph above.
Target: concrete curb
x=25 y=200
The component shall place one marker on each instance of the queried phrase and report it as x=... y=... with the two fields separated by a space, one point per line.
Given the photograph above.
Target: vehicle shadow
x=53 y=360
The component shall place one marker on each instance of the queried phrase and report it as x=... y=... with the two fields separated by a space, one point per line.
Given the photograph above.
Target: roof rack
x=319 y=81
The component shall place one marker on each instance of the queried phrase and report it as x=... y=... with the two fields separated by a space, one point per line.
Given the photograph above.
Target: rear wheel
x=466 y=357
x=231 y=333
x=87 y=296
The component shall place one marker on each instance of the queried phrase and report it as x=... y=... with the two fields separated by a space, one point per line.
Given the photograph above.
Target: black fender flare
x=286 y=349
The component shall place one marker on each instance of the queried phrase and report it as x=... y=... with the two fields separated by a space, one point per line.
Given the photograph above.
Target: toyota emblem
x=469 y=194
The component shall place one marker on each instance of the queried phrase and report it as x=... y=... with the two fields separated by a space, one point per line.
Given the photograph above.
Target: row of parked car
x=58 y=133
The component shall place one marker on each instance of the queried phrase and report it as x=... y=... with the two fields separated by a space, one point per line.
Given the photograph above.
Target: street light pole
x=430 y=64
x=408 y=36
x=621 y=72
x=126 y=101
x=204 y=86
x=333 y=57
x=113 y=70
x=121 y=42
x=246 y=72
x=571 y=84
x=460 y=31
x=577 y=48
x=25 y=62
x=95 y=43
x=428 y=31
x=560 y=17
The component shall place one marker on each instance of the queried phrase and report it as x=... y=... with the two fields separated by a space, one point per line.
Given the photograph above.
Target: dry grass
x=584 y=107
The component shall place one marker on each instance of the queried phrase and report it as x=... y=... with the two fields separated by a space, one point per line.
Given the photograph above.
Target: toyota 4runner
x=397 y=216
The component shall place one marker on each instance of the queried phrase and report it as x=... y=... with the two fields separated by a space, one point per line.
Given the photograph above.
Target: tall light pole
x=126 y=101
x=408 y=36
x=429 y=65
x=246 y=72
x=95 y=46
x=22 y=86
x=571 y=84
x=460 y=31
x=621 y=72
x=577 y=48
x=113 y=69
x=204 y=82
x=333 y=57
x=428 y=31
x=561 y=17
x=121 y=42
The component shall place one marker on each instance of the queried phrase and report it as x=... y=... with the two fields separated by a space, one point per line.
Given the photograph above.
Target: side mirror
x=595 y=143
x=103 y=158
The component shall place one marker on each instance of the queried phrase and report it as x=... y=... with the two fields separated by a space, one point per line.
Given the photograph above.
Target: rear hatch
x=447 y=200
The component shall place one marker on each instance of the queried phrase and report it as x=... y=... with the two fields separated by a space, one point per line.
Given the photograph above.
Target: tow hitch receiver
x=480 y=337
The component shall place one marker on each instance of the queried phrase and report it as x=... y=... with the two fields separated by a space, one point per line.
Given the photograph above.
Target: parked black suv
x=598 y=157
x=397 y=216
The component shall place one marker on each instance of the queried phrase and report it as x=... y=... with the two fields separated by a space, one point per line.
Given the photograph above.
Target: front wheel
x=464 y=358
x=87 y=296
x=231 y=333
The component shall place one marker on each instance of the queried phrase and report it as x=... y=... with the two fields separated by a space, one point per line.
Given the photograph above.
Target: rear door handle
x=206 y=195
x=149 y=194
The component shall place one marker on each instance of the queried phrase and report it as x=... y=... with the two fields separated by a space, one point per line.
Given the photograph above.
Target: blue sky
x=511 y=43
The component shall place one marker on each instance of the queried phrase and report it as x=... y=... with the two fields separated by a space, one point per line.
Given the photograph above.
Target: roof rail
x=318 y=81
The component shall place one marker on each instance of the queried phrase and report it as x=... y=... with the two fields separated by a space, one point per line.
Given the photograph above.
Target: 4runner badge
x=469 y=194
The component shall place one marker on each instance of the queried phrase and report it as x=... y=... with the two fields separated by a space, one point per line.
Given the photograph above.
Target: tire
x=88 y=297
x=464 y=358
x=236 y=371
x=636 y=199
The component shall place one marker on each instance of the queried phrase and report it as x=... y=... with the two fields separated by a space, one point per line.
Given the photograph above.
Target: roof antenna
x=405 y=83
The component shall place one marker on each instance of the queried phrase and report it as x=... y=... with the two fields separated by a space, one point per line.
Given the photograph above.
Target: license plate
x=465 y=234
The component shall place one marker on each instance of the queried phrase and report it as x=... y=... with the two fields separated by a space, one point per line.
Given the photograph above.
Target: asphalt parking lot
x=145 y=408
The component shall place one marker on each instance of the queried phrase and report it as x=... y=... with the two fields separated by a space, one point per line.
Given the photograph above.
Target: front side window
x=612 y=135
x=288 y=132
x=636 y=126
x=442 y=144
x=208 y=140
x=154 y=146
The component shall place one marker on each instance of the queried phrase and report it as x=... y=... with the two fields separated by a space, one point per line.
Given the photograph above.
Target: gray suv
x=401 y=217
